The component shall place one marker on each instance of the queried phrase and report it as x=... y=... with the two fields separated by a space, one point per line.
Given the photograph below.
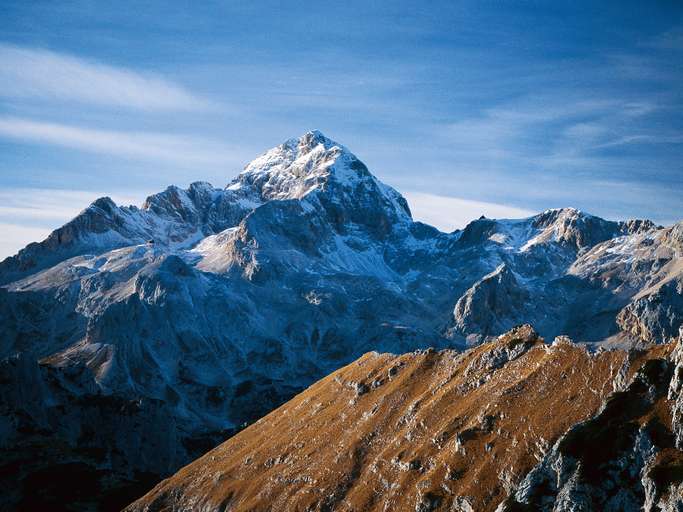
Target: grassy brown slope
x=419 y=431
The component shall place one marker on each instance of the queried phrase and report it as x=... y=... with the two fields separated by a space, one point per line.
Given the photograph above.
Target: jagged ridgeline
x=135 y=339
x=515 y=424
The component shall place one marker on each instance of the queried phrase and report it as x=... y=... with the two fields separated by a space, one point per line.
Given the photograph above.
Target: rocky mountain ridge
x=205 y=308
x=514 y=424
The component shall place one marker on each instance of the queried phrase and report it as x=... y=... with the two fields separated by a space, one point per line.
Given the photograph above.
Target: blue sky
x=500 y=108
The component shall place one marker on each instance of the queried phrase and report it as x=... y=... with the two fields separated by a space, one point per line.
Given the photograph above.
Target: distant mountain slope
x=514 y=424
x=205 y=308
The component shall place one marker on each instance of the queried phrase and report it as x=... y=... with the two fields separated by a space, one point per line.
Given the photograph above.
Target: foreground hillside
x=515 y=424
x=134 y=339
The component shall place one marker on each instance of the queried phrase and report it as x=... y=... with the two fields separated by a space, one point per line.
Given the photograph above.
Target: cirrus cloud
x=177 y=149
x=37 y=73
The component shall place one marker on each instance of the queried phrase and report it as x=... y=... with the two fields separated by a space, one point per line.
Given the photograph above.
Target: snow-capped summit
x=311 y=168
x=314 y=163
x=299 y=166
x=581 y=230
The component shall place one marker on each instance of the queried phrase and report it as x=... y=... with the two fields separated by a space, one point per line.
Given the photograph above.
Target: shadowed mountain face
x=134 y=339
x=514 y=424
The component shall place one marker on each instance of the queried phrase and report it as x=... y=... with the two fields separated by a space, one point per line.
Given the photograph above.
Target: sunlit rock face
x=513 y=424
x=207 y=307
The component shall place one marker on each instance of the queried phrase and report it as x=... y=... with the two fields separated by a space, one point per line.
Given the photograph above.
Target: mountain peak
x=315 y=163
x=313 y=138
x=581 y=230
x=554 y=215
x=311 y=153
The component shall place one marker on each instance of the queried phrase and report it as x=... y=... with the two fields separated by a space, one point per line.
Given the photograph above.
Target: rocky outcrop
x=513 y=424
x=676 y=392
x=627 y=457
x=657 y=315
x=492 y=305
x=580 y=231
x=635 y=264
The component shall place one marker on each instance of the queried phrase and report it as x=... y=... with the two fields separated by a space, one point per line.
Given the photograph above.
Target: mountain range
x=135 y=339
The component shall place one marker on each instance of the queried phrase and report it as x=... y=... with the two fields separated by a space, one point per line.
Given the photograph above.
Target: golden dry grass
x=411 y=432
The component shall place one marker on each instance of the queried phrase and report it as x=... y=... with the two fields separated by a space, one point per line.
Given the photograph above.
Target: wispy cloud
x=554 y=132
x=183 y=149
x=37 y=73
x=450 y=213
x=643 y=139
